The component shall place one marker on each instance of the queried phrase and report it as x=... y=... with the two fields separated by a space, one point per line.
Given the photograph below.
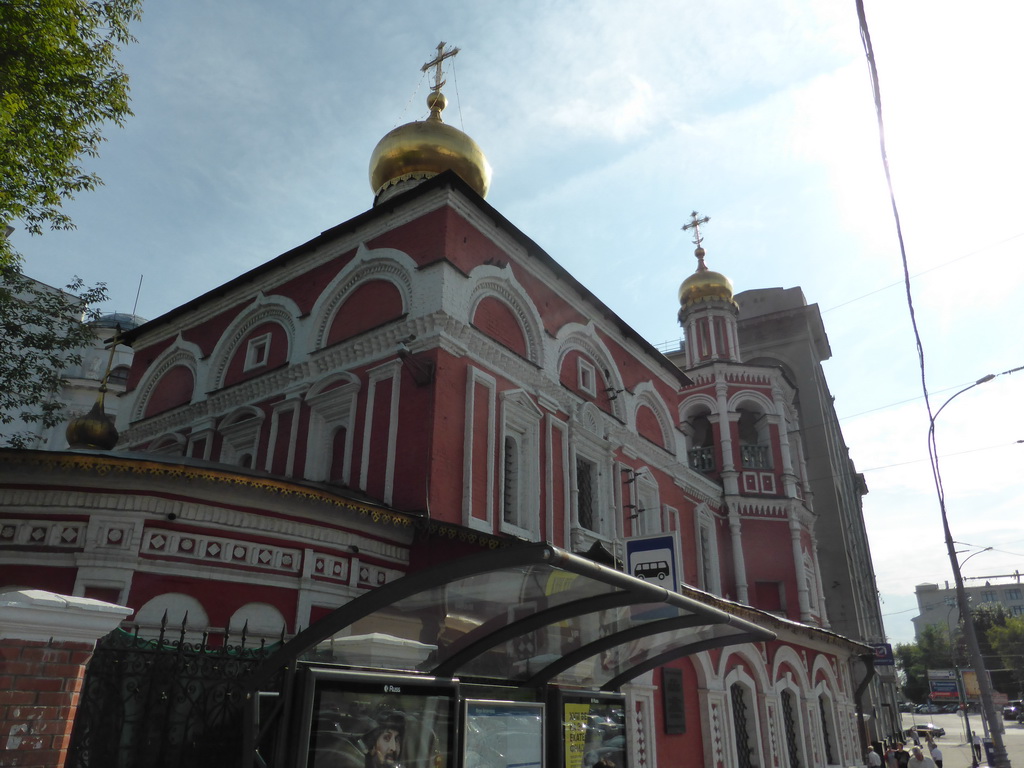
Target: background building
x=937 y=605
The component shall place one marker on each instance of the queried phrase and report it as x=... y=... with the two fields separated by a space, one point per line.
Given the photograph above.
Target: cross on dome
x=436 y=62
x=694 y=224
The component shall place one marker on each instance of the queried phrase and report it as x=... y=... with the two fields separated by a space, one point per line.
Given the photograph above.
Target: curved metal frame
x=632 y=591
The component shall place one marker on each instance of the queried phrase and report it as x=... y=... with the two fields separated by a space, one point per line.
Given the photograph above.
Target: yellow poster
x=971 y=689
x=575 y=723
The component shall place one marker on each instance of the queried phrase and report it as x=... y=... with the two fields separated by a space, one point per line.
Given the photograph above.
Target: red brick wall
x=39 y=688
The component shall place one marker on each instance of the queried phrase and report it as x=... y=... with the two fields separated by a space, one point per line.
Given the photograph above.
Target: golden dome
x=705 y=285
x=423 y=149
x=94 y=430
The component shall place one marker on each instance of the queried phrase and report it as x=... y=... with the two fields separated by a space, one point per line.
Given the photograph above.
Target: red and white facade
x=419 y=382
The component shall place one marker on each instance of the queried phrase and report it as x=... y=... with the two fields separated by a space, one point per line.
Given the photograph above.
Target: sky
x=606 y=123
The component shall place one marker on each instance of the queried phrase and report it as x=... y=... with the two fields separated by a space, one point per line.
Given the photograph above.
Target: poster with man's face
x=380 y=725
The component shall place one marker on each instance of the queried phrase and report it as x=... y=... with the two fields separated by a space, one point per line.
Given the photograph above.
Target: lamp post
x=961 y=693
x=999 y=757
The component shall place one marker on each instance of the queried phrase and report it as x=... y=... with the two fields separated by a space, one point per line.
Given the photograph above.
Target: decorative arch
x=578 y=338
x=279 y=310
x=179 y=609
x=181 y=353
x=747 y=656
x=500 y=284
x=697 y=404
x=646 y=396
x=787 y=658
x=387 y=264
x=822 y=674
x=748 y=398
x=258 y=620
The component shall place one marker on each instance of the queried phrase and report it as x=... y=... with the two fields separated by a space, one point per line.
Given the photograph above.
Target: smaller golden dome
x=94 y=430
x=426 y=148
x=705 y=285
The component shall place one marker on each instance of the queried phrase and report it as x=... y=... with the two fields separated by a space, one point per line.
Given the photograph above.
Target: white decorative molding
x=390 y=371
x=221 y=550
x=501 y=284
x=386 y=264
x=645 y=394
x=273 y=309
x=330 y=408
x=474 y=377
x=520 y=425
x=59 y=534
x=579 y=338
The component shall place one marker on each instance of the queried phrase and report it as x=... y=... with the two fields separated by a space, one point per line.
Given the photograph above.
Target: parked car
x=1012 y=709
x=950 y=709
x=924 y=730
x=929 y=709
x=906 y=706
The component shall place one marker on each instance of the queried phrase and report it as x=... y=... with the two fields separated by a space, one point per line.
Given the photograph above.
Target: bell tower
x=707 y=310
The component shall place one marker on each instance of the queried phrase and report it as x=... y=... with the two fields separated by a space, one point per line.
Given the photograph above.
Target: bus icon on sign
x=650 y=570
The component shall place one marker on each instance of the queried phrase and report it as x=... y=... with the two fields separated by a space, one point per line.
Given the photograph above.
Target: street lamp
x=1000 y=759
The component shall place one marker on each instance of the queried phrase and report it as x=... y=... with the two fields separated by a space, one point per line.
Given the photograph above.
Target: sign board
x=673 y=700
x=654 y=559
x=943 y=690
x=883 y=654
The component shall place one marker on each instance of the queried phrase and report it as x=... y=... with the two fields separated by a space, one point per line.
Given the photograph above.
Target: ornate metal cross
x=694 y=224
x=442 y=54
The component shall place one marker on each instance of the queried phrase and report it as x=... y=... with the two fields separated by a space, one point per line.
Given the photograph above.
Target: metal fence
x=164 y=703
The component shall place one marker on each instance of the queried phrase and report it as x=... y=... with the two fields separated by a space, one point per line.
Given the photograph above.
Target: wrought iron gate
x=163 y=703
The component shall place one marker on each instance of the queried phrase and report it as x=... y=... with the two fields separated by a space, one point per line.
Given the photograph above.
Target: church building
x=423 y=383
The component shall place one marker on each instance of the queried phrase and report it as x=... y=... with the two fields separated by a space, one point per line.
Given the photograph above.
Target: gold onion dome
x=422 y=149
x=94 y=430
x=705 y=285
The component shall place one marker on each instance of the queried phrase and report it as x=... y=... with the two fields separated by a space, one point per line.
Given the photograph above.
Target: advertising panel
x=594 y=731
x=503 y=734
x=353 y=720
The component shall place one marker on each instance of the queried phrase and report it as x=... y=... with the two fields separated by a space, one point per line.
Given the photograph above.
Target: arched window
x=743 y=725
x=755 y=451
x=702 y=444
x=792 y=732
x=828 y=728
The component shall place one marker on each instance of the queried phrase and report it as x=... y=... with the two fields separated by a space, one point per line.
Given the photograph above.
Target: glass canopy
x=528 y=615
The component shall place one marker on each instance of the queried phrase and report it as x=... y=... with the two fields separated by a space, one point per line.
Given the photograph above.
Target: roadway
x=956 y=752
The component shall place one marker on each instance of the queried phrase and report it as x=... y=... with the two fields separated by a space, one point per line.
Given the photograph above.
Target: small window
x=1013 y=594
x=510 y=482
x=586 y=486
x=118 y=377
x=586 y=377
x=989 y=596
x=258 y=352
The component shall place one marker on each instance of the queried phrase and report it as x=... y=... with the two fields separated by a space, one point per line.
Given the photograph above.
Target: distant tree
x=1008 y=641
x=42 y=332
x=60 y=83
x=931 y=651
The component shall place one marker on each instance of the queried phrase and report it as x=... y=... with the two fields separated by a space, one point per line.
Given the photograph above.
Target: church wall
x=670 y=747
x=52 y=577
x=768 y=554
